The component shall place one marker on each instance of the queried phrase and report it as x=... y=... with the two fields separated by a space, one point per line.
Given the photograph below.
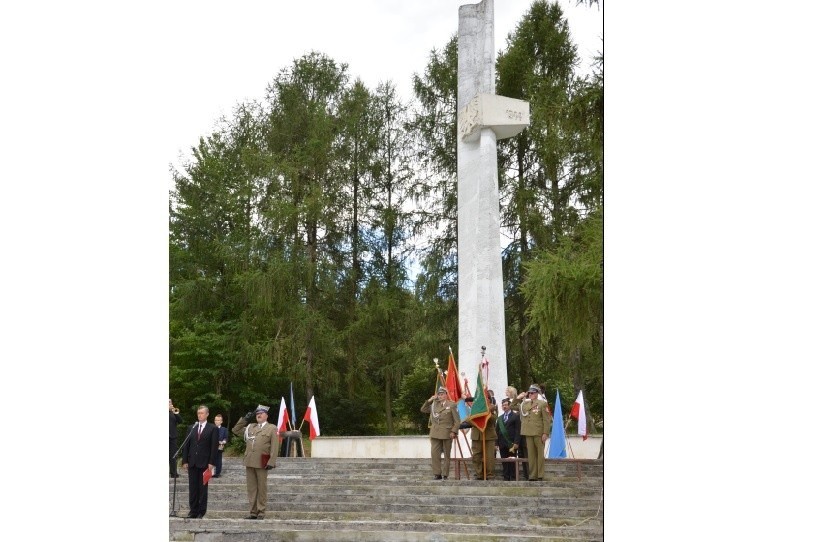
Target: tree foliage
x=313 y=238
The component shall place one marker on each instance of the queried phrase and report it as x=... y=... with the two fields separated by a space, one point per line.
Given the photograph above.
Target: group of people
x=521 y=431
x=203 y=450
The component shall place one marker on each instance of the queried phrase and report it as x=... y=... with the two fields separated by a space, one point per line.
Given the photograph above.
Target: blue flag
x=557 y=448
x=292 y=407
x=462 y=409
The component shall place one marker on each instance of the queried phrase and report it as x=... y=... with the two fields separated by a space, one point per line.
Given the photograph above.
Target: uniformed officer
x=535 y=420
x=490 y=438
x=444 y=420
x=259 y=456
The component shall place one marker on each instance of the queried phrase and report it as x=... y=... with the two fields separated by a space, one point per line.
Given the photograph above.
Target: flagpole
x=459 y=447
x=484 y=367
x=440 y=376
x=565 y=436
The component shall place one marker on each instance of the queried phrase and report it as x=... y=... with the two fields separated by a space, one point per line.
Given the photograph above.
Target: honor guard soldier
x=535 y=420
x=259 y=456
x=444 y=420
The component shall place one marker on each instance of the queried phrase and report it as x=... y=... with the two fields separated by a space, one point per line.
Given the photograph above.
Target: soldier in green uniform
x=444 y=420
x=535 y=420
x=490 y=443
x=259 y=456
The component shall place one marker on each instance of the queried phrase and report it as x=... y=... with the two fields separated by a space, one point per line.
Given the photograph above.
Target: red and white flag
x=282 y=419
x=313 y=417
x=578 y=410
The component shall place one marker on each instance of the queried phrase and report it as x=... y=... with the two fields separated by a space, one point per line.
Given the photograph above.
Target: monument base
x=419 y=446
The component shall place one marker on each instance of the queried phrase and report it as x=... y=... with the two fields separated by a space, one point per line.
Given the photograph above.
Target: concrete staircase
x=396 y=500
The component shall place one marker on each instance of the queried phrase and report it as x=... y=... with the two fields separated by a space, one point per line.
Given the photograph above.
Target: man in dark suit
x=198 y=455
x=508 y=437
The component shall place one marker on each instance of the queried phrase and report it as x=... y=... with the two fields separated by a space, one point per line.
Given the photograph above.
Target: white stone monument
x=483 y=119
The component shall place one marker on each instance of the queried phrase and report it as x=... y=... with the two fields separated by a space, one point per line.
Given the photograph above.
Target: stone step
x=591 y=517
x=299 y=488
x=394 y=500
x=416 y=484
x=306 y=484
x=570 y=508
x=385 y=475
x=479 y=489
x=219 y=530
x=551 y=465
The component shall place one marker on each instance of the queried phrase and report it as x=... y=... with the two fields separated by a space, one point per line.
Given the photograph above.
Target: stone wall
x=418 y=446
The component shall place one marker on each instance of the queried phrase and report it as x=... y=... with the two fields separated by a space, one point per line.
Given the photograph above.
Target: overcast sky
x=151 y=77
x=224 y=55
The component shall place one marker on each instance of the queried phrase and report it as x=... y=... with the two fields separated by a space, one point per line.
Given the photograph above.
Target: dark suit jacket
x=174 y=420
x=223 y=433
x=512 y=430
x=201 y=452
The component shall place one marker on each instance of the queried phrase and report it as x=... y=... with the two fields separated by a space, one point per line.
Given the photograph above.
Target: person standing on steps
x=198 y=455
x=444 y=420
x=223 y=436
x=490 y=439
x=262 y=447
x=535 y=420
x=508 y=438
x=174 y=420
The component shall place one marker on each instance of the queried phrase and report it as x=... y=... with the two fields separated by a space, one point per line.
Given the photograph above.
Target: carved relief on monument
x=469 y=120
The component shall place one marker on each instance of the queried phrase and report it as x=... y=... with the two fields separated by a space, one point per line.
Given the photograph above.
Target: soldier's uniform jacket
x=490 y=429
x=260 y=440
x=444 y=418
x=535 y=417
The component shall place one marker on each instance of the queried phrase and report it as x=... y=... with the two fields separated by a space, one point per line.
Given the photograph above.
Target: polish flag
x=578 y=410
x=312 y=416
x=282 y=419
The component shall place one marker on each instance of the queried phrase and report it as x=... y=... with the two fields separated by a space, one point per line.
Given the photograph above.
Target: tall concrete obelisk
x=483 y=119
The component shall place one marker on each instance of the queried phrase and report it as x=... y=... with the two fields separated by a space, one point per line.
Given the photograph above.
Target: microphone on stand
x=174 y=511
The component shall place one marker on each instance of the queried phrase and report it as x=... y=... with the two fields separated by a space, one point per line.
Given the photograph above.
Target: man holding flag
x=482 y=418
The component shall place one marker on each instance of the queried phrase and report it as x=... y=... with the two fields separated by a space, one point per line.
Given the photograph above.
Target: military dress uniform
x=490 y=445
x=535 y=420
x=261 y=439
x=444 y=420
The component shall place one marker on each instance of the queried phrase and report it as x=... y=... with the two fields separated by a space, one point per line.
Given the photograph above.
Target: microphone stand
x=173 y=513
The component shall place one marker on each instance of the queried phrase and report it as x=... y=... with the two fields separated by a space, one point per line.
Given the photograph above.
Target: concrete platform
x=419 y=447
